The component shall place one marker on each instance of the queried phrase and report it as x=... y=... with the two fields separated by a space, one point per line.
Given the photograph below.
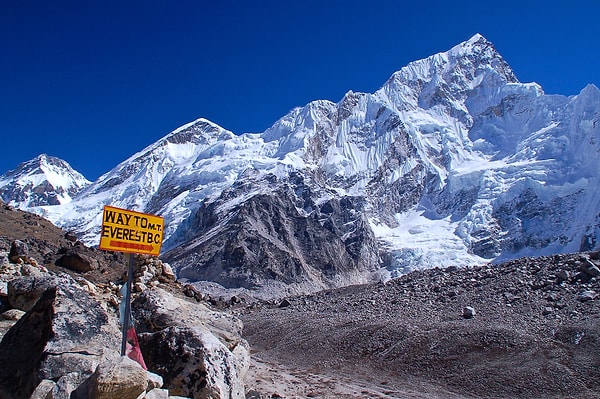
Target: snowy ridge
x=44 y=180
x=455 y=161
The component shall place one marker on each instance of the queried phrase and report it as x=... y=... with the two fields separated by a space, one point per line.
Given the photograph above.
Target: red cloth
x=133 y=348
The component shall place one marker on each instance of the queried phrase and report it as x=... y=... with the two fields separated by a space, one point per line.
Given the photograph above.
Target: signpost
x=135 y=233
x=130 y=231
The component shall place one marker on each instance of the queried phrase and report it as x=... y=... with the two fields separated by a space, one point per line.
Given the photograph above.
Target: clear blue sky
x=93 y=82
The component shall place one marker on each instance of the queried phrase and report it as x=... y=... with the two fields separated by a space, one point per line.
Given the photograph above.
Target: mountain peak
x=477 y=38
x=43 y=180
x=200 y=131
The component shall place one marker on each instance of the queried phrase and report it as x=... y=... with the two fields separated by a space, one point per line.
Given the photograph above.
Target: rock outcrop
x=59 y=325
x=65 y=331
x=199 y=352
x=278 y=242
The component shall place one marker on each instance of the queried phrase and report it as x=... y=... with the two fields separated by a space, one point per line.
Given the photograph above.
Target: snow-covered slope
x=452 y=161
x=44 y=180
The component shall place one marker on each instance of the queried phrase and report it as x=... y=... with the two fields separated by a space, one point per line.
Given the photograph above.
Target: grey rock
x=585 y=296
x=563 y=275
x=284 y=304
x=468 y=312
x=589 y=268
x=24 y=292
x=124 y=379
x=155 y=309
x=64 y=386
x=12 y=314
x=43 y=389
x=547 y=310
x=193 y=363
x=66 y=331
x=157 y=393
x=19 y=251
x=77 y=261
x=154 y=380
x=31 y=270
x=208 y=359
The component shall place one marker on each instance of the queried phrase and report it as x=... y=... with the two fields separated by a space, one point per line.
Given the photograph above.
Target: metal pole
x=127 y=306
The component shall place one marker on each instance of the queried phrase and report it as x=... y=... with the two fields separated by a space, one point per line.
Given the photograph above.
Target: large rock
x=67 y=331
x=19 y=251
x=156 y=309
x=193 y=362
x=123 y=379
x=208 y=360
x=24 y=292
x=77 y=261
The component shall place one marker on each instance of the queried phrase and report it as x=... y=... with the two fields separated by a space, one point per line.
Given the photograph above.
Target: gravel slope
x=533 y=335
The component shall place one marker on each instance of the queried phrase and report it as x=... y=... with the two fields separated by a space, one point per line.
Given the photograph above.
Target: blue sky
x=93 y=82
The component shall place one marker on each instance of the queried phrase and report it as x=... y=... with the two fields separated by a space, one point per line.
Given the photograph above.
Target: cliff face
x=272 y=240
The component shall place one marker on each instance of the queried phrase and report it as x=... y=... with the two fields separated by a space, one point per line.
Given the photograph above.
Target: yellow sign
x=130 y=231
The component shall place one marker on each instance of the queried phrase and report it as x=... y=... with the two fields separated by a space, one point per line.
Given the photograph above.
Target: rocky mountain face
x=278 y=238
x=452 y=161
x=44 y=180
x=59 y=324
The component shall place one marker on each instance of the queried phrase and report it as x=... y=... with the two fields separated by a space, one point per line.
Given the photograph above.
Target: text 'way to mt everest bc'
x=129 y=231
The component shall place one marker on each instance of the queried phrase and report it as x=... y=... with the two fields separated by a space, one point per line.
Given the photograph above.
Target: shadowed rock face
x=270 y=237
x=21 y=349
x=66 y=331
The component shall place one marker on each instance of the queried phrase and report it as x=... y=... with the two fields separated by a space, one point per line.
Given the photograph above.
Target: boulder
x=64 y=386
x=66 y=331
x=590 y=268
x=468 y=312
x=154 y=380
x=31 y=270
x=43 y=389
x=122 y=378
x=193 y=362
x=207 y=360
x=585 y=296
x=24 y=292
x=19 y=252
x=167 y=272
x=12 y=314
x=157 y=394
x=156 y=309
x=77 y=261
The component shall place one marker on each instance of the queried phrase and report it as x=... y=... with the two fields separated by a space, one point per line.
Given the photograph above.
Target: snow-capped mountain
x=44 y=180
x=452 y=161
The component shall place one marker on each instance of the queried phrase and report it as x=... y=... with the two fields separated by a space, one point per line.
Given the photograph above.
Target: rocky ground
x=59 y=324
x=529 y=328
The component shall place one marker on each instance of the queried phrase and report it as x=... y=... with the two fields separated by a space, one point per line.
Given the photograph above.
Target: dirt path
x=267 y=379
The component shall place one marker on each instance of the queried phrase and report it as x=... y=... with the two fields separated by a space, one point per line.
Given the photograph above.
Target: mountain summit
x=452 y=161
x=44 y=180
